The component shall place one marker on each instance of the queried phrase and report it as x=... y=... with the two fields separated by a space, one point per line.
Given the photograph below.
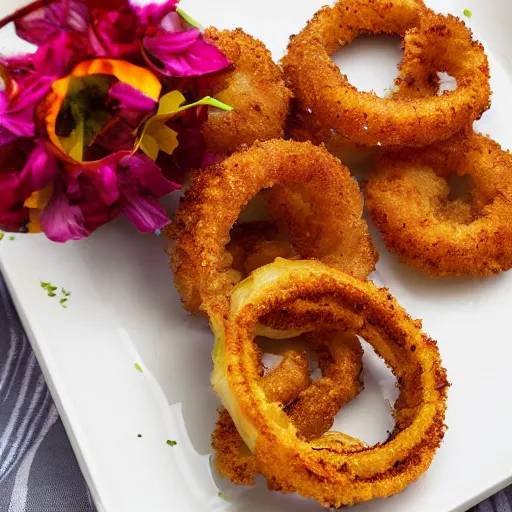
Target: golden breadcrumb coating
x=432 y=43
x=408 y=197
x=328 y=469
x=313 y=196
x=254 y=87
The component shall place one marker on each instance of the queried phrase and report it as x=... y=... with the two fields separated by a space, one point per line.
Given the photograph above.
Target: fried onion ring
x=322 y=211
x=432 y=42
x=254 y=87
x=310 y=406
x=326 y=469
x=255 y=244
x=408 y=197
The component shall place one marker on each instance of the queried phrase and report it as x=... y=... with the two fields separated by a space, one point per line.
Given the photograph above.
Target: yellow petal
x=165 y=137
x=150 y=146
x=34 y=224
x=39 y=199
x=170 y=102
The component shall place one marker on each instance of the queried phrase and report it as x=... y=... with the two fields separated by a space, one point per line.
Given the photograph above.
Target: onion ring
x=322 y=188
x=325 y=469
x=408 y=197
x=310 y=406
x=254 y=87
x=431 y=41
x=255 y=244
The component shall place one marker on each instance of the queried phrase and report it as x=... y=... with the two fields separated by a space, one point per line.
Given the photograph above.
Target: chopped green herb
x=65 y=292
x=2 y=236
x=12 y=238
x=468 y=13
x=137 y=367
x=224 y=497
x=171 y=443
x=52 y=294
x=48 y=287
x=62 y=302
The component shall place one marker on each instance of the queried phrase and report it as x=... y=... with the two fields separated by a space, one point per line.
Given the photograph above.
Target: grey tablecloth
x=38 y=470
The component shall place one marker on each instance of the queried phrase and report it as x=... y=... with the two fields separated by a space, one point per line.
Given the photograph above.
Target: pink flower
x=25 y=167
x=115 y=33
x=62 y=221
x=17 y=106
x=49 y=21
x=86 y=199
x=130 y=109
x=181 y=53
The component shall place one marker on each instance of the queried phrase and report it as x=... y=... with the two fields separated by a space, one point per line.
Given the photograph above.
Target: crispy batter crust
x=322 y=213
x=311 y=406
x=432 y=43
x=408 y=197
x=326 y=469
x=254 y=87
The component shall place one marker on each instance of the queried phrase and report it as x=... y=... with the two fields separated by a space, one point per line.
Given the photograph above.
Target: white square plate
x=124 y=310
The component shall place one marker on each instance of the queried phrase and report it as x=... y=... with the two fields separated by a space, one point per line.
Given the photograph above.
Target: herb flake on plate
x=171 y=443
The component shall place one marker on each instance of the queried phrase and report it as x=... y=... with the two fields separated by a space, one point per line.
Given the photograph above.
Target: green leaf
x=138 y=367
x=188 y=18
x=468 y=13
x=12 y=238
x=171 y=443
x=171 y=104
x=65 y=292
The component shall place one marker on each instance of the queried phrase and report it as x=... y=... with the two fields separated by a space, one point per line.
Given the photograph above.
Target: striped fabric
x=38 y=470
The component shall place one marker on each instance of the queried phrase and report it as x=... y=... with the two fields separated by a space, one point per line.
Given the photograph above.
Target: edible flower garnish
x=91 y=125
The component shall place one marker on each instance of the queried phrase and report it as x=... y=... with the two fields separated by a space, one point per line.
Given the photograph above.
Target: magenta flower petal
x=17 y=112
x=205 y=58
x=171 y=43
x=62 y=221
x=131 y=108
x=153 y=14
x=60 y=54
x=143 y=211
x=182 y=54
x=116 y=32
x=146 y=175
x=43 y=24
x=40 y=169
x=133 y=104
x=13 y=221
x=24 y=169
x=106 y=182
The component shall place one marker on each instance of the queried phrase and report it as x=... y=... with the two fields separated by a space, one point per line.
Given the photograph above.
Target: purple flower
x=121 y=183
x=62 y=221
x=141 y=184
x=49 y=21
x=17 y=108
x=182 y=53
x=153 y=14
x=115 y=33
x=25 y=168
x=131 y=108
x=58 y=56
